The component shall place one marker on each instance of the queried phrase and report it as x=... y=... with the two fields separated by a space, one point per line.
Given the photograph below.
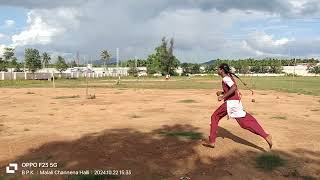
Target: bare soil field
x=156 y=133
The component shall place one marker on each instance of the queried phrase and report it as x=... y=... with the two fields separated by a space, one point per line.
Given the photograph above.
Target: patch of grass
x=26 y=129
x=67 y=97
x=91 y=96
x=30 y=93
x=51 y=114
x=92 y=177
x=315 y=110
x=134 y=116
x=306 y=115
x=48 y=157
x=187 y=101
x=187 y=134
x=309 y=178
x=279 y=117
x=302 y=85
x=269 y=161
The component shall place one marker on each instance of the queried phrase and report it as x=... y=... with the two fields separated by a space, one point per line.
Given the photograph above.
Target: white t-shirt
x=228 y=81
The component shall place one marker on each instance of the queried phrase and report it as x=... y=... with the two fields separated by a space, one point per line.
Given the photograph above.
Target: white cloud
x=269 y=46
x=9 y=23
x=2 y=36
x=2 y=46
x=298 y=3
x=267 y=43
x=42 y=29
x=269 y=40
x=202 y=29
x=93 y=27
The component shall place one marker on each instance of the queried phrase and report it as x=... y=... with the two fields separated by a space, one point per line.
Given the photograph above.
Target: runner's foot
x=269 y=140
x=208 y=144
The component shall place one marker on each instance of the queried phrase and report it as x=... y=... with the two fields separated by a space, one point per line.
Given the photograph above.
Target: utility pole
x=136 y=70
x=118 y=66
x=78 y=59
x=294 y=68
x=135 y=59
x=117 y=57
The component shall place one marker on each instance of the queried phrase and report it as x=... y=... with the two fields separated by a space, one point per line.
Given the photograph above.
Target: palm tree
x=45 y=59
x=105 y=56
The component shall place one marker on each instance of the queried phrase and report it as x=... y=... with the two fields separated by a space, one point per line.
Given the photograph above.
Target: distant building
x=142 y=71
x=179 y=70
x=301 y=70
x=48 y=70
x=202 y=68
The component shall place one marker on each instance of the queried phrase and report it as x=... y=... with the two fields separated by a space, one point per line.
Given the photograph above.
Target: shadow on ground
x=156 y=155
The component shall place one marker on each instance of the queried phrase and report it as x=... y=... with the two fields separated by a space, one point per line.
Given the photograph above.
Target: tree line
x=242 y=66
x=161 y=61
x=33 y=61
x=267 y=65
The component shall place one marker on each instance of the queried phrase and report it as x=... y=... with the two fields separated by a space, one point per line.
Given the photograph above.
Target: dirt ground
x=121 y=129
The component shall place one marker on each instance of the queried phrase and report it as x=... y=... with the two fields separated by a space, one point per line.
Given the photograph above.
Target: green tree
x=244 y=67
x=186 y=69
x=141 y=63
x=16 y=65
x=73 y=64
x=8 y=54
x=315 y=70
x=61 y=64
x=195 y=68
x=275 y=66
x=32 y=59
x=153 y=64
x=3 y=65
x=105 y=56
x=260 y=66
x=211 y=68
x=163 y=59
x=46 y=59
x=133 y=70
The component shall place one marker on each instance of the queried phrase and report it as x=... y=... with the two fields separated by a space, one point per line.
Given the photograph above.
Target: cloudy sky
x=202 y=29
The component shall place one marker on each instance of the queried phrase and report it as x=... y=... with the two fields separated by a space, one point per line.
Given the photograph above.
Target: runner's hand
x=219 y=93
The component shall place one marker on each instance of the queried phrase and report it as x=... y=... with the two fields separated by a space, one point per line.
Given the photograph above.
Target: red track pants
x=248 y=122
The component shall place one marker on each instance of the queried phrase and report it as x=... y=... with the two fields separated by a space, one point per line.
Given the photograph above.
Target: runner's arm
x=231 y=91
